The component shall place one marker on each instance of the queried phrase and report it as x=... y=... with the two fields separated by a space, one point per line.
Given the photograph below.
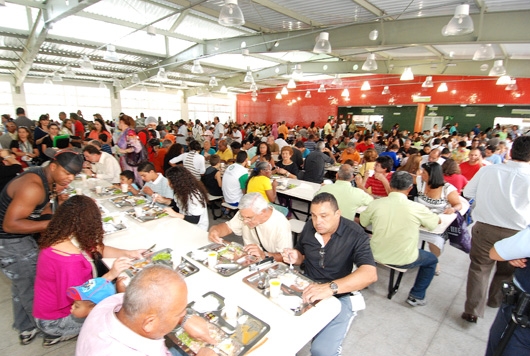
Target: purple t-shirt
x=55 y=274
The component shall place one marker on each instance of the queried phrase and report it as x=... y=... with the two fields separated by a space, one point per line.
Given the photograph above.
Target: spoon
x=291 y=268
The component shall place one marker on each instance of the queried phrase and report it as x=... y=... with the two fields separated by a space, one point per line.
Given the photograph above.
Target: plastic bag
x=458 y=234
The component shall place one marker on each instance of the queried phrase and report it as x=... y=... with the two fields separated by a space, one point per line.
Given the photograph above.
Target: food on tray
x=232 y=252
x=301 y=283
x=163 y=256
x=206 y=304
x=107 y=218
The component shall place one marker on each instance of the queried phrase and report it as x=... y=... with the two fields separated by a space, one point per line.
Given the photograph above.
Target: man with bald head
x=131 y=324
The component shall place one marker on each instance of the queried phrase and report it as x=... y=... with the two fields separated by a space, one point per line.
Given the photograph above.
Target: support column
x=420 y=113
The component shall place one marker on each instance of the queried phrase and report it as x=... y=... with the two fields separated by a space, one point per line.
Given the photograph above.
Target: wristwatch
x=334 y=287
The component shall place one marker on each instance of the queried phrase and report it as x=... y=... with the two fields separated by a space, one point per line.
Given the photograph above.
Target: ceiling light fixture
x=322 y=44
x=253 y=94
x=512 y=85
x=102 y=85
x=276 y=44
x=370 y=64
x=442 y=88
x=248 y=77
x=460 y=24
x=279 y=96
x=254 y=98
x=365 y=86
x=284 y=91
x=151 y=30
x=504 y=80
x=48 y=81
x=498 y=69
x=110 y=54
x=373 y=35
x=337 y=80
x=308 y=94
x=196 y=68
x=224 y=89
x=161 y=87
x=213 y=82
x=484 y=53
x=162 y=75
x=345 y=93
x=217 y=45
x=322 y=88
x=253 y=86
x=297 y=72
x=135 y=79
x=291 y=84
x=69 y=72
x=231 y=14
x=428 y=83
x=85 y=63
x=57 y=77
x=407 y=74
x=385 y=90
x=144 y=89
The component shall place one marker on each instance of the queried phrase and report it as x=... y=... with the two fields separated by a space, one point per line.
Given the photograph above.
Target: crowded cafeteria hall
x=244 y=177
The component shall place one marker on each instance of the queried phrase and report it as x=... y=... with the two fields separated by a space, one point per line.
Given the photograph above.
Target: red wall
x=462 y=90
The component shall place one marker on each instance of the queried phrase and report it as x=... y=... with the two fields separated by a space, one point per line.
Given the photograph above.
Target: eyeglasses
x=322 y=254
x=247 y=219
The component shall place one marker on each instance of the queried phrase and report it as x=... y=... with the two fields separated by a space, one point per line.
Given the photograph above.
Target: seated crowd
x=400 y=181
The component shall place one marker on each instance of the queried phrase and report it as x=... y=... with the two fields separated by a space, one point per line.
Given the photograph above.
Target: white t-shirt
x=195 y=208
x=274 y=234
x=183 y=130
x=231 y=187
x=237 y=136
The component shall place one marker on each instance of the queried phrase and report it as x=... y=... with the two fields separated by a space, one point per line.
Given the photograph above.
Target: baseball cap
x=70 y=160
x=94 y=290
x=151 y=120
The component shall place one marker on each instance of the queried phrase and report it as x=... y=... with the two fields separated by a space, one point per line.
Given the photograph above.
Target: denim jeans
x=519 y=343
x=66 y=327
x=18 y=261
x=328 y=342
x=427 y=263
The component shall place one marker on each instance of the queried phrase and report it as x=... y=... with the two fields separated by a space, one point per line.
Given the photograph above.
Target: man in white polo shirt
x=235 y=180
x=104 y=166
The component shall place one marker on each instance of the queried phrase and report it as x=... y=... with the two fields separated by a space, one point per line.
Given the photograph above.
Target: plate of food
x=108 y=191
x=127 y=200
x=231 y=258
x=146 y=213
x=162 y=257
x=233 y=337
x=112 y=224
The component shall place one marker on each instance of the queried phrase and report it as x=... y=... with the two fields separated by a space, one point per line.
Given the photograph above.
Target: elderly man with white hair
x=265 y=231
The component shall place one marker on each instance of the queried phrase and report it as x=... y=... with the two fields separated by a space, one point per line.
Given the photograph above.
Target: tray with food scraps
x=235 y=330
x=148 y=213
x=185 y=268
x=293 y=284
x=231 y=258
x=112 y=224
x=127 y=200
x=107 y=192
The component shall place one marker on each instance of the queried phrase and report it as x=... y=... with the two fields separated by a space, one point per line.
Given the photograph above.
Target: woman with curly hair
x=73 y=235
x=191 y=197
x=23 y=147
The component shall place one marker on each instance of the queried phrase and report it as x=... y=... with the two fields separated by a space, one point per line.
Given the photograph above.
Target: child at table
x=88 y=295
x=127 y=177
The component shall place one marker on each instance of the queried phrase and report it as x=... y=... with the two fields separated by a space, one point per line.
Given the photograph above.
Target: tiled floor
x=386 y=327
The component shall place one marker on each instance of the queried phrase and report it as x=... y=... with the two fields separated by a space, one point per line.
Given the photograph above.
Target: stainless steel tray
x=127 y=201
x=150 y=213
x=293 y=285
x=231 y=255
x=236 y=337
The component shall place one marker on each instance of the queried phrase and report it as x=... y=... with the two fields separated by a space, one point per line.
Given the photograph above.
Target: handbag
x=458 y=234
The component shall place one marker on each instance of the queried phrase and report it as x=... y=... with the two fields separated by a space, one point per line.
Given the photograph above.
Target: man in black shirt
x=329 y=246
x=316 y=161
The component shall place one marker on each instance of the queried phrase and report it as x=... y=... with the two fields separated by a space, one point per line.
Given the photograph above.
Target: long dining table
x=288 y=333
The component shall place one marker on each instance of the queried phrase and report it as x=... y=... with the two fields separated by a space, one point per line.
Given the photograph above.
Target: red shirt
x=469 y=170
x=79 y=129
x=457 y=180
x=378 y=189
x=361 y=147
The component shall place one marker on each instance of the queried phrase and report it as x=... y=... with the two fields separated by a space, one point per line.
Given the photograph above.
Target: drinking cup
x=275 y=287
x=124 y=188
x=371 y=172
x=212 y=259
x=116 y=218
x=79 y=191
x=99 y=189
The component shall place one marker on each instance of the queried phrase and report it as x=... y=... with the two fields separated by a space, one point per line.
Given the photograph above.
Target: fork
x=153 y=198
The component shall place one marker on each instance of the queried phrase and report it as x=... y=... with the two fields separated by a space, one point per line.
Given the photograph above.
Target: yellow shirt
x=226 y=155
x=395 y=228
x=259 y=184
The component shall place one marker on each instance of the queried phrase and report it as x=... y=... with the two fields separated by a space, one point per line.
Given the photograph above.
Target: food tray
x=107 y=192
x=127 y=200
x=231 y=255
x=289 y=186
x=186 y=268
x=293 y=284
x=235 y=336
x=138 y=265
x=110 y=227
x=150 y=213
